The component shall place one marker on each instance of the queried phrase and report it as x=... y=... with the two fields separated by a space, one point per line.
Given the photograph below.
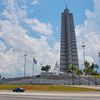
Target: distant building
x=68 y=50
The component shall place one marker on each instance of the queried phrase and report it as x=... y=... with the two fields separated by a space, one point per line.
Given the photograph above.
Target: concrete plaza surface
x=29 y=95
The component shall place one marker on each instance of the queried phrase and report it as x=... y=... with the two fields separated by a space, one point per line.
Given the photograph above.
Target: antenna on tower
x=66 y=8
x=66 y=3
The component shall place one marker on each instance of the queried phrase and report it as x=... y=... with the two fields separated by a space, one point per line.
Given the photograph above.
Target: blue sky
x=50 y=11
x=34 y=26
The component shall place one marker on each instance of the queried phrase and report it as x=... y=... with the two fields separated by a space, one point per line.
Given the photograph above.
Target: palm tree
x=87 y=64
x=88 y=71
x=91 y=70
x=79 y=73
x=72 y=69
x=94 y=68
x=95 y=73
x=46 y=68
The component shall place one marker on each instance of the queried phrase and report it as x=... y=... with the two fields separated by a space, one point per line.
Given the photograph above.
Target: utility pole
x=83 y=46
x=25 y=63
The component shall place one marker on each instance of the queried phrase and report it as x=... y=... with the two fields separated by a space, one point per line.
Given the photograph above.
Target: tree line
x=89 y=70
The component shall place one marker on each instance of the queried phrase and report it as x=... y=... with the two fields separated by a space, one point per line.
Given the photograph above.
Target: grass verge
x=48 y=88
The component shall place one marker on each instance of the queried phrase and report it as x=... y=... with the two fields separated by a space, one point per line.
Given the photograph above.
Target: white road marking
x=92 y=94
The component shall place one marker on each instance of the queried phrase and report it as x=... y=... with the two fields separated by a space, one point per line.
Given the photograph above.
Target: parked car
x=18 y=90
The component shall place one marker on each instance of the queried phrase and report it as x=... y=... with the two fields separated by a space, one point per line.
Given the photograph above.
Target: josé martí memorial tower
x=68 y=50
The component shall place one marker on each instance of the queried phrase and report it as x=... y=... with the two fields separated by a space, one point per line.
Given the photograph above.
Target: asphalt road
x=50 y=96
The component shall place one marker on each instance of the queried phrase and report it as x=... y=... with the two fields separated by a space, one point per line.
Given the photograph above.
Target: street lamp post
x=25 y=63
x=83 y=46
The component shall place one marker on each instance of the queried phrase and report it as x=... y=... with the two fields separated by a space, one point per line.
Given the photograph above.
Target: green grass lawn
x=47 y=88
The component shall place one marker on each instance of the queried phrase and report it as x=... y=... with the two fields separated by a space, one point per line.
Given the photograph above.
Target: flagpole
x=33 y=68
x=25 y=63
x=34 y=62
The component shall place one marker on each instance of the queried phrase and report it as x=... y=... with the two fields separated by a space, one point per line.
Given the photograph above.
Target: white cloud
x=15 y=42
x=79 y=29
x=19 y=41
x=43 y=28
x=13 y=11
x=2 y=46
x=35 y=2
x=89 y=32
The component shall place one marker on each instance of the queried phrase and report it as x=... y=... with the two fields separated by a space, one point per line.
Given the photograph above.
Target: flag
x=34 y=60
